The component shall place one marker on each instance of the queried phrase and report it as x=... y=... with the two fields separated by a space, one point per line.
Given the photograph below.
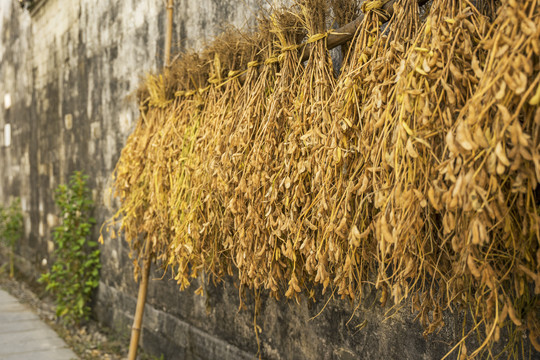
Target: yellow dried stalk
x=433 y=85
x=199 y=246
x=489 y=174
x=241 y=170
x=362 y=95
x=301 y=179
x=259 y=222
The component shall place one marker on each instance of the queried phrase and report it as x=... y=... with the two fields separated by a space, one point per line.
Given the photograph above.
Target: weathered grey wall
x=69 y=68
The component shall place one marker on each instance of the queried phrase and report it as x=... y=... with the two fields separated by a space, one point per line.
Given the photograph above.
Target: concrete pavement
x=23 y=336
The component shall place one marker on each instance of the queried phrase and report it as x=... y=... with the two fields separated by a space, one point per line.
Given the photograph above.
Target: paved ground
x=23 y=336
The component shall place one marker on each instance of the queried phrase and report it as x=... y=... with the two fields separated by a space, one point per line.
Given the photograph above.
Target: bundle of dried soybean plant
x=365 y=87
x=248 y=236
x=263 y=230
x=433 y=83
x=209 y=183
x=301 y=175
x=489 y=177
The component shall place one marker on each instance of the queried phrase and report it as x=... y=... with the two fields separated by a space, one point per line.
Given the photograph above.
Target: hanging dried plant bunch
x=414 y=171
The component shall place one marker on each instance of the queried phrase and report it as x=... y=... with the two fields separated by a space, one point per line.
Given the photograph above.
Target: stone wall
x=69 y=69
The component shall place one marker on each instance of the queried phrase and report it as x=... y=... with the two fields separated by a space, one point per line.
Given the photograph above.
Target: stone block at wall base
x=162 y=333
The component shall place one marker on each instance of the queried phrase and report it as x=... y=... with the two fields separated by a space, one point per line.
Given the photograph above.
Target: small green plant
x=75 y=272
x=11 y=229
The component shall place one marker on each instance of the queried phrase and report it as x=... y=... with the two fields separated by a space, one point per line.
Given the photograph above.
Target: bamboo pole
x=168 y=34
x=11 y=264
x=143 y=287
x=141 y=301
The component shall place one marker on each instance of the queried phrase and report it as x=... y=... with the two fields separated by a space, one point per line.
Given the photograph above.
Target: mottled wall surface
x=69 y=68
